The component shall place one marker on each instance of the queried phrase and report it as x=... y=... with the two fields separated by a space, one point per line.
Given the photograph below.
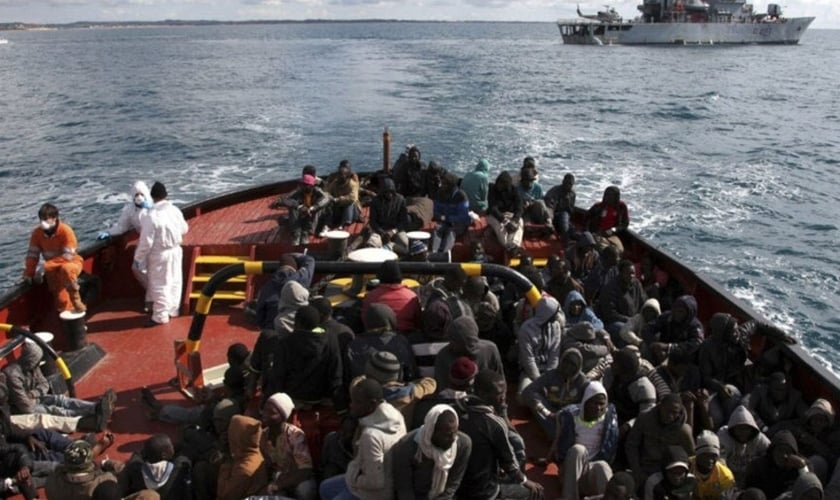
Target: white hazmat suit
x=131 y=217
x=159 y=252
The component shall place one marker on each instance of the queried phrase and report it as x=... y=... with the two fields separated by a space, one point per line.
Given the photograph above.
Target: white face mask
x=139 y=199
x=46 y=226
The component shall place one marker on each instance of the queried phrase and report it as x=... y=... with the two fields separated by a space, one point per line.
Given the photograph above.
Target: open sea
x=728 y=157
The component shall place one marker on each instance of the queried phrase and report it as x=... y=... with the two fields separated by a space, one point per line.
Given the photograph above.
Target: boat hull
x=785 y=32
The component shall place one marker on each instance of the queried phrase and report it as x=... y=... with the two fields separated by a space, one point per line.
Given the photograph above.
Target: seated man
x=305 y=204
x=504 y=213
x=628 y=385
x=774 y=402
x=555 y=389
x=675 y=330
x=775 y=472
x=714 y=479
x=452 y=214
x=284 y=447
x=29 y=390
x=586 y=444
x=609 y=216
x=430 y=462
x=380 y=335
x=560 y=281
x=535 y=210
x=741 y=441
x=78 y=477
x=561 y=200
x=343 y=189
x=461 y=377
x=674 y=481
x=388 y=219
x=157 y=468
x=475 y=184
x=621 y=299
x=577 y=310
x=539 y=341
x=464 y=341
x=385 y=368
x=409 y=173
x=293 y=267
x=55 y=241
x=594 y=345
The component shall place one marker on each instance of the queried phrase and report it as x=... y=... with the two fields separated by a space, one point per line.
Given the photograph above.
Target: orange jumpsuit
x=62 y=264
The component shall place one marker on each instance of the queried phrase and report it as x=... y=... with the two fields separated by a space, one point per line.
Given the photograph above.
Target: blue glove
x=146 y=204
x=140 y=266
x=103 y=235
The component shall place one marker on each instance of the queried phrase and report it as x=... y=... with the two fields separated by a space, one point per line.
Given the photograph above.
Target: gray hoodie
x=370 y=475
x=293 y=296
x=539 y=338
x=737 y=455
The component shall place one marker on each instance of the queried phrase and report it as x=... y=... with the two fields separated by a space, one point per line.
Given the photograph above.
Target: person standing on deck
x=159 y=253
x=131 y=217
x=56 y=242
x=475 y=185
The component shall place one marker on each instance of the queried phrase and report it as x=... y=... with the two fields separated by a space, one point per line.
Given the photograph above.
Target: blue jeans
x=58 y=404
x=335 y=488
x=177 y=414
x=444 y=237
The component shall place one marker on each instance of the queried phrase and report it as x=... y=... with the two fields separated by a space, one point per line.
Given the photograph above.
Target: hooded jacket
x=649 y=439
x=539 y=339
x=631 y=332
x=501 y=199
x=586 y=314
x=244 y=474
x=475 y=184
x=370 y=475
x=566 y=433
x=269 y=297
x=386 y=214
x=308 y=366
x=602 y=217
x=293 y=296
x=592 y=346
x=451 y=204
x=738 y=455
x=131 y=215
x=763 y=473
x=484 y=353
x=685 y=336
x=551 y=391
x=25 y=381
x=617 y=305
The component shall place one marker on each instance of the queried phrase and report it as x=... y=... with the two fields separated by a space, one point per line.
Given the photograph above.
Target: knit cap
x=462 y=372
x=383 y=366
x=707 y=442
x=78 y=456
x=417 y=247
x=282 y=402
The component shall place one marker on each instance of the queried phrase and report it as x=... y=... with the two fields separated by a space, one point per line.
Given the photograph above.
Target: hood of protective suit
x=293 y=295
x=30 y=356
x=140 y=187
x=571 y=298
x=690 y=305
x=546 y=308
x=821 y=407
x=384 y=418
x=380 y=317
x=244 y=436
x=483 y=166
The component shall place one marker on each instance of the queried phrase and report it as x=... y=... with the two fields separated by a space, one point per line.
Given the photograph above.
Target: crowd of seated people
x=634 y=396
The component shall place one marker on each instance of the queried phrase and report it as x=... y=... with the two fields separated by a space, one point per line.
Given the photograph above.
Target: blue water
x=729 y=157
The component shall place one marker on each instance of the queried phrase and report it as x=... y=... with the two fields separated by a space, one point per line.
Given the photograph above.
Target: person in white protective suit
x=159 y=253
x=130 y=218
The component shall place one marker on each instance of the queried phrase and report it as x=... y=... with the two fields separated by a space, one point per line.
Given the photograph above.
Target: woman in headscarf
x=429 y=462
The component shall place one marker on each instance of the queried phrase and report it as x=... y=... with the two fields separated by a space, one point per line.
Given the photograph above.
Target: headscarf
x=444 y=459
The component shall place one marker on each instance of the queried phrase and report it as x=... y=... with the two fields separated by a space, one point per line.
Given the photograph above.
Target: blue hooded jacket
x=586 y=315
x=476 y=184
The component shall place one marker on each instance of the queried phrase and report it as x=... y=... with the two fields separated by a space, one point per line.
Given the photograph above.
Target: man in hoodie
x=504 y=212
x=409 y=173
x=370 y=475
x=816 y=436
x=29 y=390
x=244 y=472
x=741 y=441
x=555 y=389
x=595 y=347
x=676 y=330
x=379 y=335
x=561 y=201
x=392 y=293
x=430 y=461
x=388 y=218
x=775 y=401
x=475 y=184
x=493 y=470
x=609 y=215
x=539 y=341
x=284 y=446
x=461 y=377
x=343 y=189
x=159 y=253
x=586 y=443
x=577 y=310
x=308 y=362
x=654 y=431
x=630 y=333
x=775 y=472
x=628 y=385
x=560 y=282
x=56 y=242
x=535 y=209
x=293 y=267
x=674 y=481
x=464 y=341
x=293 y=296
x=131 y=217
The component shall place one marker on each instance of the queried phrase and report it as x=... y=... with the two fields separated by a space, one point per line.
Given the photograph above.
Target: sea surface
x=729 y=157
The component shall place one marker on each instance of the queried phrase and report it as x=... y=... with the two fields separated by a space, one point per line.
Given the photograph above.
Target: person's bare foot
x=103 y=443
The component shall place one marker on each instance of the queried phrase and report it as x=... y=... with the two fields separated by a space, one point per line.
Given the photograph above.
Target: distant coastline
x=177 y=22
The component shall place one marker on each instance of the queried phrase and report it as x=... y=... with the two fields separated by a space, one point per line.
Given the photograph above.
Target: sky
x=827 y=12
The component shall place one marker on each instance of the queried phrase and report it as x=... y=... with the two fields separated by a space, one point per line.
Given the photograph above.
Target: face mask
x=46 y=226
x=139 y=199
